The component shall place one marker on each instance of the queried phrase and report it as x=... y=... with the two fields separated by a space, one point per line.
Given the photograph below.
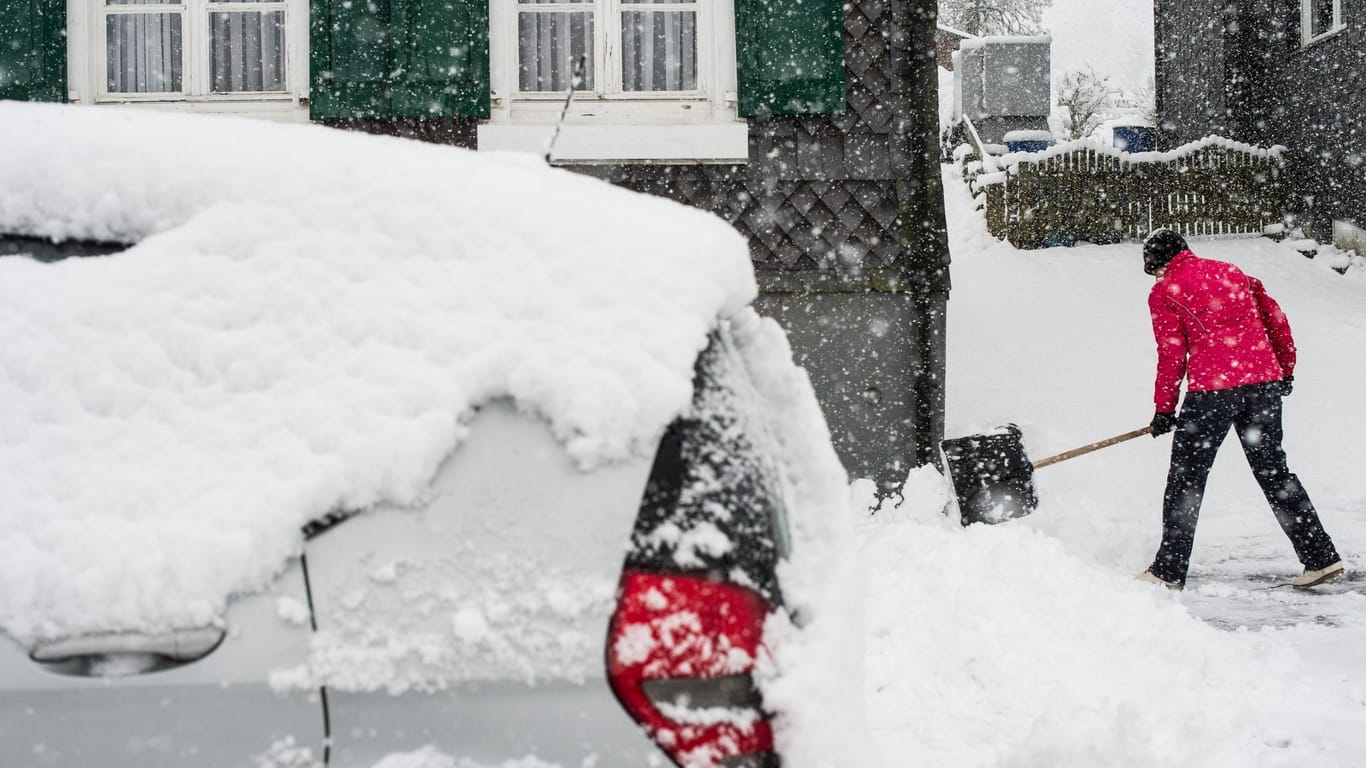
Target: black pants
x=1255 y=411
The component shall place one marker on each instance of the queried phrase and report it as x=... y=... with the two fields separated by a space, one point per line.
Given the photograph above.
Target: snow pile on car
x=301 y=323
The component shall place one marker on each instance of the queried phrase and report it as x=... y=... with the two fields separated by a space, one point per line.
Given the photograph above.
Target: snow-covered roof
x=955 y=32
x=1023 y=135
x=302 y=320
x=983 y=42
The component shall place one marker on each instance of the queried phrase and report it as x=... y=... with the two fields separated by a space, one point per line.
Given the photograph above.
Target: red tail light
x=680 y=655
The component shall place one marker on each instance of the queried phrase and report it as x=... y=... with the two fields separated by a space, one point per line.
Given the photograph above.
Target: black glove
x=1284 y=386
x=1163 y=423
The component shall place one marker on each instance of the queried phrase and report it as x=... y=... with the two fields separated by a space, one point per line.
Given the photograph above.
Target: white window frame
x=607 y=49
x=1307 y=36
x=610 y=124
x=88 y=60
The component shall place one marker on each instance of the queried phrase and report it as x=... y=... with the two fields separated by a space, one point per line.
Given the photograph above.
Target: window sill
x=1326 y=36
x=271 y=106
x=602 y=143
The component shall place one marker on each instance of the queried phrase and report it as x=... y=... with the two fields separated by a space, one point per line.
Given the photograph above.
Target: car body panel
x=477 y=622
x=560 y=723
x=218 y=710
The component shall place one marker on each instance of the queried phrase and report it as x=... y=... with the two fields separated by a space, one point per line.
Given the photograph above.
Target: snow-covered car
x=324 y=448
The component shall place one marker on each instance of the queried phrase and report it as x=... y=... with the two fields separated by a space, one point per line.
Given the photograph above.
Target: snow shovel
x=994 y=479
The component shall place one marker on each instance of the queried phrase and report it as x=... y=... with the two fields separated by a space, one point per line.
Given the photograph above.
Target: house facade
x=1275 y=72
x=788 y=118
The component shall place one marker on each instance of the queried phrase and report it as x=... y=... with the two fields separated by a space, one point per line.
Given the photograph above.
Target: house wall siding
x=1190 y=58
x=1239 y=70
x=1312 y=100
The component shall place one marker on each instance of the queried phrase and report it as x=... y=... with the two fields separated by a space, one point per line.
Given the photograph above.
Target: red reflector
x=702 y=637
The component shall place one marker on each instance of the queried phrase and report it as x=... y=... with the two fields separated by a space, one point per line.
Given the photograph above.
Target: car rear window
x=45 y=250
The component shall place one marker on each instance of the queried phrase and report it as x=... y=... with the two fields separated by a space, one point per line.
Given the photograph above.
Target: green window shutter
x=790 y=56
x=399 y=58
x=443 y=53
x=33 y=50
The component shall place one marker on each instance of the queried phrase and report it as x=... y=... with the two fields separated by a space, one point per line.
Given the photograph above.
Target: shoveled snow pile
x=1023 y=654
x=303 y=320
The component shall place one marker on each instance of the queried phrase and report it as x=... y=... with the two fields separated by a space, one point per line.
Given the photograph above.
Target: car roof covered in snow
x=301 y=321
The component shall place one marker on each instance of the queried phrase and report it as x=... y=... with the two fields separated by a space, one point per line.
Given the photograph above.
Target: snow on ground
x=1029 y=643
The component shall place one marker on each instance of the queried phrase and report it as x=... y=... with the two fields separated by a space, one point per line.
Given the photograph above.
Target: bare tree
x=1145 y=99
x=994 y=17
x=1086 y=99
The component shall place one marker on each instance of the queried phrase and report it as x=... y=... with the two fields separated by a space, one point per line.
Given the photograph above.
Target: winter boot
x=1149 y=578
x=1314 y=578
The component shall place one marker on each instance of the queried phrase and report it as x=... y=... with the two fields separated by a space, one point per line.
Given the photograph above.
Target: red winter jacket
x=1216 y=327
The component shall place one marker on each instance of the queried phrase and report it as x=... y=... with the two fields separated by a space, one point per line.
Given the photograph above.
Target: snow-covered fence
x=1083 y=190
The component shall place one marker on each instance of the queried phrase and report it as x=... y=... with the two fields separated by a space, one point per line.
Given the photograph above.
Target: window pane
x=247 y=51
x=547 y=2
x=1321 y=15
x=548 y=45
x=659 y=50
x=144 y=53
x=142 y=2
x=215 y=2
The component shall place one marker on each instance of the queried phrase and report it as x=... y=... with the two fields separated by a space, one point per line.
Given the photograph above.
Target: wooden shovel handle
x=1085 y=449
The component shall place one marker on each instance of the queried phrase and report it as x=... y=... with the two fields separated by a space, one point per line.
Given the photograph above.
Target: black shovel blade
x=991 y=475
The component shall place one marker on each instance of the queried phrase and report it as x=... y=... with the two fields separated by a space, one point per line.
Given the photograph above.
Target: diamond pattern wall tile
x=814 y=184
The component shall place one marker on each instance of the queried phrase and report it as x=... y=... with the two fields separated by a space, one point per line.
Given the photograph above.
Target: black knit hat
x=1159 y=248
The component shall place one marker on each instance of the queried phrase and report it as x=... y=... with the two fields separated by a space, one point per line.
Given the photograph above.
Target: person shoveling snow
x=1219 y=330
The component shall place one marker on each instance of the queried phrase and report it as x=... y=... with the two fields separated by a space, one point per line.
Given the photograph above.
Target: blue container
x=1027 y=146
x=1136 y=138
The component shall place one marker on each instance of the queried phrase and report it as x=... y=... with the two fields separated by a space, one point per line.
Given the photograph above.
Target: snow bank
x=1011 y=651
x=983 y=180
x=302 y=322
